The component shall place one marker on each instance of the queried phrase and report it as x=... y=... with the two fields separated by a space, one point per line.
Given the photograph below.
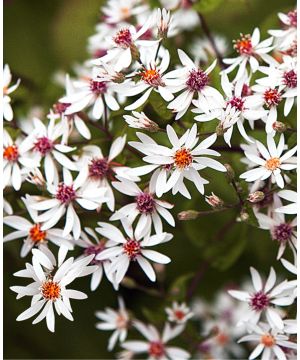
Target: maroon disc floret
x=65 y=193
x=197 y=80
x=98 y=168
x=290 y=79
x=60 y=108
x=292 y=15
x=259 y=301
x=95 y=250
x=237 y=102
x=282 y=233
x=123 y=38
x=132 y=248
x=98 y=87
x=145 y=203
x=44 y=145
x=156 y=349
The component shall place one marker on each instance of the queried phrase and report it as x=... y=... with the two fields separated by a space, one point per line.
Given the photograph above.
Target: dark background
x=41 y=37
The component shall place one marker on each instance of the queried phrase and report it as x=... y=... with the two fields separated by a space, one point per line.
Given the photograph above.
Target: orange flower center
x=152 y=77
x=179 y=314
x=272 y=164
x=125 y=11
x=50 y=290
x=243 y=45
x=36 y=234
x=222 y=339
x=11 y=153
x=5 y=88
x=183 y=158
x=268 y=340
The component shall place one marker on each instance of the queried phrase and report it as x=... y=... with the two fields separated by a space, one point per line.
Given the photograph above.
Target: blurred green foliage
x=42 y=37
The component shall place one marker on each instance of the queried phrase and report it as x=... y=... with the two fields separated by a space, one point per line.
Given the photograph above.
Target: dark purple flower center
x=98 y=87
x=197 y=80
x=290 y=79
x=132 y=248
x=246 y=91
x=98 y=168
x=259 y=301
x=60 y=108
x=292 y=15
x=123 y=38
x=95 y=250
x=43 y=145
x=237 y=102
x=145 y=203
x=282 y=232
x=65 y=193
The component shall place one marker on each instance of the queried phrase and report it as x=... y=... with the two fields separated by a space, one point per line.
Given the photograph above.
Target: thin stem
x=237 y=191
x=157 y=50
x=105 y=114
x=196 y=279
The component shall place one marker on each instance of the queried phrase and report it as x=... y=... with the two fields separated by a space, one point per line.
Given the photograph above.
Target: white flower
x=270 y=343
x=156 y=344
x=90 y=91
x=262 y=300
x=183 y=160
x=32 y=233
x=249 y=48
x=151 y=77
x=48 y=288
x=141 y=121
x=64 y=195
x=145 y=206
x=281 y=230
x=191 y=79
x=124 y=249
x=179 y=313
x=118 y=321
x=7 y=110
x=291 y=196
x=17 y=160
x=271 y=161
x=94 y=248
x=202 y=50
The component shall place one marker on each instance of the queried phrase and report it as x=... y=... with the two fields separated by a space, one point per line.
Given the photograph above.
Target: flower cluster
x=108 y=194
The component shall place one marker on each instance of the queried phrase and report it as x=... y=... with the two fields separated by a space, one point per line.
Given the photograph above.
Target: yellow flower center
x=272 y=164
x=36 y=234
x=50 y=290
x=268 y=340
x=151 y=77
x=183 y=158
x=11 y=153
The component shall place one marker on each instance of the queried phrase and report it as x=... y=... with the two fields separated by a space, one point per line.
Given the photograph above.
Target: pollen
x=156 y=349
x=243 y=45
x=268 y=340
x=152 y=77
x=11 y=153
x=272 y=164
x=183 y=158
x=132 y=248
x=36 y=234
x=272 y=97
x=50 y=290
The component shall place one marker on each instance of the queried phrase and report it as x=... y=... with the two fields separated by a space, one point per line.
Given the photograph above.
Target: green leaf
x=159 y=105
x=177 y=290
x=206 y=6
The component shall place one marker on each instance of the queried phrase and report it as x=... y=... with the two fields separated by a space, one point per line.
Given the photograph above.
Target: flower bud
x=36 y=177
x=279 y=126
x=230 y=172
x=214 y=201
x=141 y=121
x=256 y=197
x=134 y=52
x=163 y=23
x=244 y=216
x=118 y=78
x=188 y=215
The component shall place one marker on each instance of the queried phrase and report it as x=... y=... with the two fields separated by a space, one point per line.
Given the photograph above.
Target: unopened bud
x=279 y=126
x=214 y=201
x=230 y=172
x=188 y=215
x=129 y=283
x=141 y=121
x=256 y=197
x=244 y=216
x=35 y=177
x=118 y=78
x=163 y=23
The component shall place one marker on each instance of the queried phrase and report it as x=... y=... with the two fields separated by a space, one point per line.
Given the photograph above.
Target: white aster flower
x=48 y=289
x=7 y=109
x=179 y=313
x=249 y=49
x=270 y=343
x=183 y=160
x=64 y=195
x=290 y=196
x=122 y=250
x=17 y=160
x=263 y=299
x=156 y=345
x=117 y=321
x=271 y=162
x=192 y=80
x=145 y=206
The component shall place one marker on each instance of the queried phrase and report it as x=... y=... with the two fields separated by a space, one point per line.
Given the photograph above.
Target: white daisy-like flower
x=46 y=144
x=117 y=321
x=141 y=121
x=91 y=92
x=156 y=345
x=249 y=49
x=145 y=206
x=271 y=162
x=48 y=289
x=286 y=37
x=192 y=80
x=32 y=234
x=103 y=169
x=93 y=246
x=7 y=90
x=151 y=78
x=291 y=196
x=122 y=250
x=264 y=298
x=17 y=160
x=282 y=231
x=271 y=344
x=183 y=160
x=179 y=313
x=64 y=195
